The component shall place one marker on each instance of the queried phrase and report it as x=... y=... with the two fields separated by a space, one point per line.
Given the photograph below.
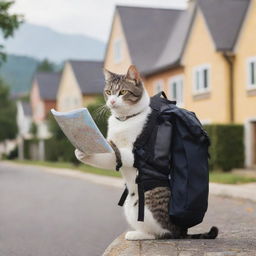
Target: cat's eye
x=123 y=92
x=108 y=92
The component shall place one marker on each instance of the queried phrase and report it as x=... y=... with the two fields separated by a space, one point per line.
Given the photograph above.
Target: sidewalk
x=244 y=191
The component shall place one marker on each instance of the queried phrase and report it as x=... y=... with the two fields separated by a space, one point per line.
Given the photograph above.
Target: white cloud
x=89 y=17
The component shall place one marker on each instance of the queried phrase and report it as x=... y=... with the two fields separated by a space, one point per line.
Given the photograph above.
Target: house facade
x=206 y=62
x=245 y=82
x=43 y=99
x=80 y=84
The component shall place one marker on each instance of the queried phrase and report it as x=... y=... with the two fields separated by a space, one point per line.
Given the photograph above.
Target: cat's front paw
x=138 y=235
x=79 y=154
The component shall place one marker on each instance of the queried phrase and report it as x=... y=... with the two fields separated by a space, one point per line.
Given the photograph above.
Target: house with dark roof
x=80 y=84
x=24 y=118
x=43 y=94
x=204 y=57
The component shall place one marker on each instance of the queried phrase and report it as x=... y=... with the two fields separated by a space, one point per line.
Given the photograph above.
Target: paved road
x=43 y=214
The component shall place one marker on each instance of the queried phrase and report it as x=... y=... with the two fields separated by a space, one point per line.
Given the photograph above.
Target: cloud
x=89 y=17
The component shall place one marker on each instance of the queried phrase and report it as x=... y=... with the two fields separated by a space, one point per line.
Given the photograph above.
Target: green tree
x=46 y=66
x=8 y=23
x=8 y=125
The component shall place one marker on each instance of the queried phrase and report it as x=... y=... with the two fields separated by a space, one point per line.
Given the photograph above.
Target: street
x=44 y=214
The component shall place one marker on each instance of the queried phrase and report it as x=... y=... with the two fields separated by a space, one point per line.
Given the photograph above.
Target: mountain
x=42 y=42
x=17 y=72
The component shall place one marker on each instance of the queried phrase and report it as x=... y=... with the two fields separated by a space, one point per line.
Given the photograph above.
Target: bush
x=227 y=148
x=59 y=150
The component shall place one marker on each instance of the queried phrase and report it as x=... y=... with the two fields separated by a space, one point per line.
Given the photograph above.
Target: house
x=43 y=99
x=244 y=77
x=139 y=36
x=43 y=94
x=24 y=118
x=80 y=84
x=24 y=121
x=204 y=57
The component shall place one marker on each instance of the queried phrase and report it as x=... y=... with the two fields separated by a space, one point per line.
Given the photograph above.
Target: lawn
x=215 y=176
x=81 y=167
x=229 y=178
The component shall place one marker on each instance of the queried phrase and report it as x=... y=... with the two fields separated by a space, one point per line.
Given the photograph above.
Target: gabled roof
x=147 y=31
x=26 y=108
x=172 y=52
x=89 y=75
x=48 y=83
x=156 y=38
x=224 y=19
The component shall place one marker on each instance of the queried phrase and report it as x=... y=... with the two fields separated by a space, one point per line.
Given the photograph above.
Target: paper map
x=81 y=130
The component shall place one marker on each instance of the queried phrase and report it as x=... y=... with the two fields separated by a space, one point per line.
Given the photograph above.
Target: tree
x=45 y=66
x=8 y=23
x=8 y=125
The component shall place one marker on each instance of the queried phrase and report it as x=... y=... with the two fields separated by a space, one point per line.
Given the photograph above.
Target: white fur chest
x=124 y=133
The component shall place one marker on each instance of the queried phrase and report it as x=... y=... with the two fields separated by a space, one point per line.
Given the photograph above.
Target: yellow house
x=204 y=57
x=139 y=36
x=245 y=82
x=80 y=84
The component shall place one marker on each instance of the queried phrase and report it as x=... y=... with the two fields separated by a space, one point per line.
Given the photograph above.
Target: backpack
x=172 y=151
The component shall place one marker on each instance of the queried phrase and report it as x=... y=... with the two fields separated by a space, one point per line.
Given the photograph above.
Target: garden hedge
x=227 y=147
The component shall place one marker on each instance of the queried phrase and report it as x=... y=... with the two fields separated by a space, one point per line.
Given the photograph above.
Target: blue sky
x=87 y=17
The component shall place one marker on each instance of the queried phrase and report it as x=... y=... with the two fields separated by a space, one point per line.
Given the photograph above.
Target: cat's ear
x=133 y=74
x=108 y=75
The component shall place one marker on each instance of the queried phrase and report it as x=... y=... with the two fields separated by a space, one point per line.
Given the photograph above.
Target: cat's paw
x=138 y=235
x=81 y=156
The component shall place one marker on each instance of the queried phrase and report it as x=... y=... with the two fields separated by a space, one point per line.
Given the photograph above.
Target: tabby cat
x=128 y=101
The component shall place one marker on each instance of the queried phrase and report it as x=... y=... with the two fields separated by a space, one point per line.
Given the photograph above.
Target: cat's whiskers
x=101 y=112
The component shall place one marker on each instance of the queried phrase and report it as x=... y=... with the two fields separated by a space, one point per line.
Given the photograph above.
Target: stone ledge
x=218 y=247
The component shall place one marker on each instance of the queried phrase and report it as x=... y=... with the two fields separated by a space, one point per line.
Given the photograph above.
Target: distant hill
x=42 y=42
x=17 y=72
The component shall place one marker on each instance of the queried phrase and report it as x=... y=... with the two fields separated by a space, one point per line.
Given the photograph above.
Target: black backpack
x=172 y=151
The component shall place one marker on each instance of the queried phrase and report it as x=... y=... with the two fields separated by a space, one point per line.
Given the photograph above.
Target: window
x=117 y=50
x=202 y=79
x=176 y=89
x=252 y=73
x=158 y=86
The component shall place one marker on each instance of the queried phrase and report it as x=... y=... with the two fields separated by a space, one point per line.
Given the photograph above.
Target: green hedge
x=59 y=150
x=227 y=148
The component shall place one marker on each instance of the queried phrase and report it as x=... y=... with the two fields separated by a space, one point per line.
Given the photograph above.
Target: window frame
x=199 y=70
x=251 y=86
x=115 y=43
x=176 y=79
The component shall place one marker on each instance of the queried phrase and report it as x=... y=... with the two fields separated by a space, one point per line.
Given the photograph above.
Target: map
x=81 y=130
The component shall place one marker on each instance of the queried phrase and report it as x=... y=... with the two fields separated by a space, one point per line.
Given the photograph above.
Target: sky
x=86 y=17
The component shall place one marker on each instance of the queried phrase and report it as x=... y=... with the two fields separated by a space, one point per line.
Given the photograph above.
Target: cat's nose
x=112 y=102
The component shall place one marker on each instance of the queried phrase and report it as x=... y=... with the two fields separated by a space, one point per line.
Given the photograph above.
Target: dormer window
x=117 y=50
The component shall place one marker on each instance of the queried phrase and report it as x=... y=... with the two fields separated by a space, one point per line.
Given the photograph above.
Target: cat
x=128 y=102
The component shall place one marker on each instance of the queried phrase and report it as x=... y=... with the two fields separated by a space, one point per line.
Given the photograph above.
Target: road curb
x=244 y=191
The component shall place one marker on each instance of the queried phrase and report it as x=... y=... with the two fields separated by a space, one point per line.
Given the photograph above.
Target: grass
x=229 y=178
x=80 y=167
x=215 y=176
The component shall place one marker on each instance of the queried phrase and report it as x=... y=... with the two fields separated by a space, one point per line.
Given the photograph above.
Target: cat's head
x=125 y=94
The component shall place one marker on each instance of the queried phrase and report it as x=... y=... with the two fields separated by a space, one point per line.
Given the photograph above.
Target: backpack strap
x=123 y=196
x=156 y=103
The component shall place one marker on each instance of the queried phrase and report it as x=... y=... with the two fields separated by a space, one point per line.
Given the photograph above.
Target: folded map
x=81 y=130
